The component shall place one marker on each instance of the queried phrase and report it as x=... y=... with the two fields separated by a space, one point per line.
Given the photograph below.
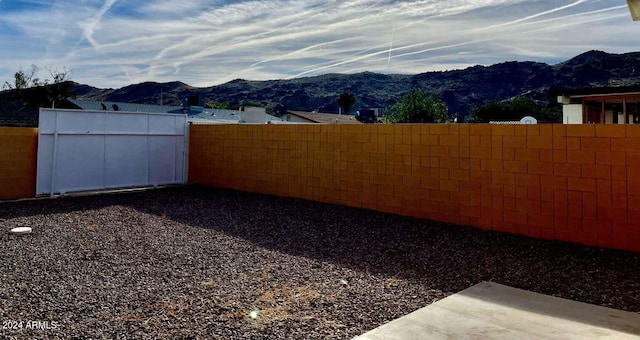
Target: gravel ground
x=194 y=262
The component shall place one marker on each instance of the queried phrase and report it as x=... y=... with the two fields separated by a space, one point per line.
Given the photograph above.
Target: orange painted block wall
x=560 y=182
x=18 y=155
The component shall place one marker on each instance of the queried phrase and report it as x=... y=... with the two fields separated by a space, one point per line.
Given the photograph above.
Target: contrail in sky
x=393 y=37
x=538 y=14
x=89 y=29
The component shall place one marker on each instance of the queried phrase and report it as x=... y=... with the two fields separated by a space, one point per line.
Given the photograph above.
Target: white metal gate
x=96 y=150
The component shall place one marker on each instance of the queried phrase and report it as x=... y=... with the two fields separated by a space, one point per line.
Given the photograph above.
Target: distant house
x=369 y=114
x=195 y=114
x=600 y=105
x=96 y=105
x=318 y=118
x=17 y=113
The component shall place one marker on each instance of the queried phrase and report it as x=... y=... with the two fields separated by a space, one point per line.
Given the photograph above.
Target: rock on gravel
x=201 y=263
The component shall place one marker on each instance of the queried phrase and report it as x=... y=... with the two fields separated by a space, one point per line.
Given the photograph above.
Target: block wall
x=18 y=157
x=577 y=183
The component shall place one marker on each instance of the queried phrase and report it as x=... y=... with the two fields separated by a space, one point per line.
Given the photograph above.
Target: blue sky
x=113 y=43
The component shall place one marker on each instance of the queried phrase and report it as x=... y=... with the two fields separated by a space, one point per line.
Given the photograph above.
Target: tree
x=418 y=107
x=345 y=101
x=40 y=93
x=511 y=110
x=60 y=88
x=23 y=80
x=210 y=104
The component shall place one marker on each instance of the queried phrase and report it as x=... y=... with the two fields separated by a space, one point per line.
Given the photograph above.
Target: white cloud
x=116 y=42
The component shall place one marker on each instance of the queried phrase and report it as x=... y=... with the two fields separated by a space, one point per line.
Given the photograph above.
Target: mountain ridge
x=461 y=90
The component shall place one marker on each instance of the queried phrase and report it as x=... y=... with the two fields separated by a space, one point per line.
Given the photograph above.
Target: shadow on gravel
x=445 y=257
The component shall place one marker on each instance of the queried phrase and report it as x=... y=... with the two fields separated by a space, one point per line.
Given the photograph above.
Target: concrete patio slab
x=493 y=311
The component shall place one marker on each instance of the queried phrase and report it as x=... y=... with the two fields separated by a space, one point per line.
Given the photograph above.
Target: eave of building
x=596 y=91
x=608 y=95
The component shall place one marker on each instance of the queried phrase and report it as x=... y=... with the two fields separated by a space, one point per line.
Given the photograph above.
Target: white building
x=601 y=105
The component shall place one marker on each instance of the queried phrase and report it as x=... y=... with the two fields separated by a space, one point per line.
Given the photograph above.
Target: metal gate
x=97 y=150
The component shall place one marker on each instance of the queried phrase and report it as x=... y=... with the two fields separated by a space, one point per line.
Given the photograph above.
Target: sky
x=114 y=43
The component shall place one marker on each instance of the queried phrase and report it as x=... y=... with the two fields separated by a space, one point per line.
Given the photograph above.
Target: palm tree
x=345 y=101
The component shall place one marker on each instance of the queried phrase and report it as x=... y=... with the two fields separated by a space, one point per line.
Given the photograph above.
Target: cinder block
x=618 y=172
x=533 y=193
x=527 y=180
x=559 y=142
x=546 y=130
x=449 y=163
x=633 y=184
x=559 y=130
x=567 y=170
x=528 y=206
x=633 y=219
x=497 y=142
x=612 y=158
x=596 y=171
x=595 y=144
x=486 y=141
x=503 y=178
x=439 y=150
x=515 y=217
x=515 y=167
x=539 y=220
x=496 y=153
x=464 y=152
x=449 y=140
x=532 y=130
x=480 y=130
x=508 y=154
x=502 y=130
x=590 y=200
x=540 y=142
x=479 y=176
x=449 y=185
x=632 y=131
x=559 y=156
x=548 y=208
x=492 y=165
x=581 y=157
x=610 y=130
x=491 y=189
x=581 y=184
x=540 y=168
x=625 y=144
x=439 y=129
x=429 y=139
x=548 y=233
x=480 y=152
x=440 y=196
x=520 y=130
x=586 y=130
x=621 y=241
x=470 y=187
x=529 y=155
x=634 y=243
x=402 y=149
x=497 y=203
x=603 y=186
x=509 y=191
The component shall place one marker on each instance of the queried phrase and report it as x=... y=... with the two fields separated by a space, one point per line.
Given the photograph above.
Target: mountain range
x=461 y=90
